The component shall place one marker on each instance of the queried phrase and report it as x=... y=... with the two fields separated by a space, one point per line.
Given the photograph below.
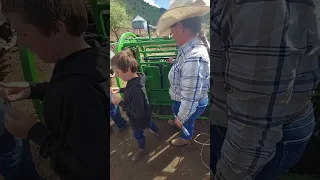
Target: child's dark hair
x=194 y=24
x=44 y=14
x=125 y=60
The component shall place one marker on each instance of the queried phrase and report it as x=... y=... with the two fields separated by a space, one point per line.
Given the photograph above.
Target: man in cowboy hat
x=190 y=72
x=265 y=57
x=179 y=10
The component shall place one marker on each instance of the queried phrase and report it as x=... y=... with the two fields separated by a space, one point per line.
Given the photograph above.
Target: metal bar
x=151 y=63
x=168 y=46
x=167 y=56
x=97 y=8
x=30 y=75
x=144 y=43
x=155 y=51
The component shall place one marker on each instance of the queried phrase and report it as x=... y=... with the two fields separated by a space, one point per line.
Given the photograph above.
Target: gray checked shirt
x=265 y=59
x=189 y=77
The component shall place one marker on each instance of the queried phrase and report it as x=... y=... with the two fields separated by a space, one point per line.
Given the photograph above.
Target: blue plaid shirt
x=189 y=77
x=265 y=57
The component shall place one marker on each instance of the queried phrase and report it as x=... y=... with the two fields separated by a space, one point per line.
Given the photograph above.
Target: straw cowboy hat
x=180 y=10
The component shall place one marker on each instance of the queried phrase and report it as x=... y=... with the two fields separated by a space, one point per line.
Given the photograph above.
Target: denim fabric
x=139 y=135
x=288 y=152
x=189 y=124
x=16 y=161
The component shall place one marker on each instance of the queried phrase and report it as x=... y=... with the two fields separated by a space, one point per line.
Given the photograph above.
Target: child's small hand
x=115 y=100
x=114 y=90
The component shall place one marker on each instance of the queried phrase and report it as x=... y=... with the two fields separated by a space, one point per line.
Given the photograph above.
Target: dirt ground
x=163 y=161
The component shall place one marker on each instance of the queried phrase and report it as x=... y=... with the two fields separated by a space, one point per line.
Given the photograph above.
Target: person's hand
x=170 y=60
x=178 y=123
x=114 y=90
x=17 y=122
x=15 y=91
x=116 y=100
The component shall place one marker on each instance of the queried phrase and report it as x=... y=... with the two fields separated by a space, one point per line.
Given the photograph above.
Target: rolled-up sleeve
x=262 y=43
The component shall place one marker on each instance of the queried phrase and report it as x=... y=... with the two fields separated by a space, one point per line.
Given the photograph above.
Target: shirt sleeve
x=193 y=78
x=83 y=152
x=262 y=47
x=38 y=90
x=121 y=90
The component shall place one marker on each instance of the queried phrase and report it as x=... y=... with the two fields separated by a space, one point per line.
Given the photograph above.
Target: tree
x=119 y=19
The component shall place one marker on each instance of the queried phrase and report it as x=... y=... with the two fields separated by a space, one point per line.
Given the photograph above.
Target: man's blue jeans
x=16 y=162
x=189 y=124
x=116 y=116
x=288 y=151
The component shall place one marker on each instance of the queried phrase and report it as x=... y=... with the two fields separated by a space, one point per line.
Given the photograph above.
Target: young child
x=75 y=132
x=135 y=102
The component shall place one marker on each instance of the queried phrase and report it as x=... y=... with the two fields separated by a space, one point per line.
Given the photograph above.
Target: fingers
x=116 y=97
x=178 y=123
x=3 y=85
x=10 y=98
x=14 y=85
x=114 y=90
x=7 y=121
x=12 y=112
x=4 y=94
x=12 y=91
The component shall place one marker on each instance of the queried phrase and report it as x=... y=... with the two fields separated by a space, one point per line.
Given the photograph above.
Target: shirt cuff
x=121 y=103
x=181 y=119
x=121 y=90
x=38 y=133
x=37 y=90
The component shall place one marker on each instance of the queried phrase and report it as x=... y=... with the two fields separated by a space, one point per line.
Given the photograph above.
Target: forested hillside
x=146 y=11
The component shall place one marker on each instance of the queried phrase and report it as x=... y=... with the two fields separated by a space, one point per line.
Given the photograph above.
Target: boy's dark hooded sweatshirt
x=75 y=133
x=136 y=104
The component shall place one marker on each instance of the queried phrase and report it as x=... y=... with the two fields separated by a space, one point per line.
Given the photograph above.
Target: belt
x=299 y=114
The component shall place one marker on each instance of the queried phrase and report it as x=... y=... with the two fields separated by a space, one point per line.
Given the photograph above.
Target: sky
x=159 y=3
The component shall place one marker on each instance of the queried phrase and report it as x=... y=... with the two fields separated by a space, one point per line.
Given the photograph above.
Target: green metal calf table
x=152 y=55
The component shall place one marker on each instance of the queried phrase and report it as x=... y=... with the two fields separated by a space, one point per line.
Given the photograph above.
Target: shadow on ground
x=163 y=161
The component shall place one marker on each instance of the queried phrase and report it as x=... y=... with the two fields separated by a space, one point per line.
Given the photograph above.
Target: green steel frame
x=101 y=13
x=151 y=52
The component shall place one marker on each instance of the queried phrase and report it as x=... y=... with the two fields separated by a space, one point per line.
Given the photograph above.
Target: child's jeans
x=16 y=162
x=288 y=151
x=116 y=116
x=139 y=135
x=189 y=124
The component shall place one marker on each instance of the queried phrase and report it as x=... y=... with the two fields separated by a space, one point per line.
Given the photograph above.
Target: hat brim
x=172 y=16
